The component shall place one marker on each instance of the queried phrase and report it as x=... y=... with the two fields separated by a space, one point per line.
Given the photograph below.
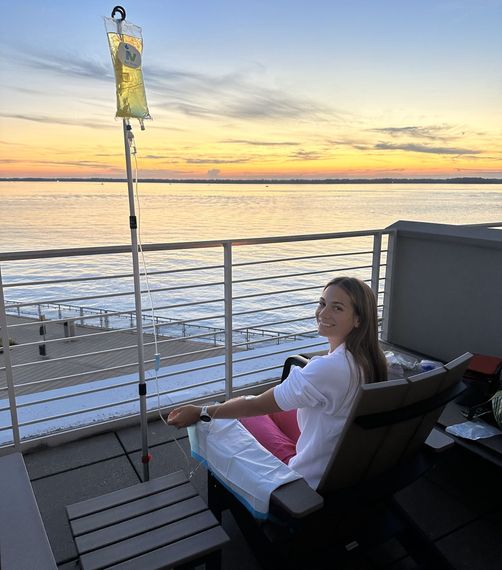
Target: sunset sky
x=258 y=89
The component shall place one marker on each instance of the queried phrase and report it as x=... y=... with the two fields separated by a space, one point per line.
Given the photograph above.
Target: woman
x=300 y=420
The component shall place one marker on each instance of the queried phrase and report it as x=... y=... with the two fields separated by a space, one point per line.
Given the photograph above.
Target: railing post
x=387 y=294
x=375 y=264
x=8 y=370
x=227 y=268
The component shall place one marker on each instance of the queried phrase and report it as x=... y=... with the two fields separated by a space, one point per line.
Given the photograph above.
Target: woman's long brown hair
x=362 y=341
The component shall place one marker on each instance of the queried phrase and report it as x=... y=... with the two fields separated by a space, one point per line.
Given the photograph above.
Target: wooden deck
x=96 y=354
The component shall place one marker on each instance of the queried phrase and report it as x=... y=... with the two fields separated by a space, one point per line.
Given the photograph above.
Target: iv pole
x=133 y=224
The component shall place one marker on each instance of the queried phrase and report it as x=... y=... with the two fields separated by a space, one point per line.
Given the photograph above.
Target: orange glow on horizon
x=71 y=150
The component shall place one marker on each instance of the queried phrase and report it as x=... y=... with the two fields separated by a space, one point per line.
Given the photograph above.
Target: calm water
x=46 y=215
x=49 y=215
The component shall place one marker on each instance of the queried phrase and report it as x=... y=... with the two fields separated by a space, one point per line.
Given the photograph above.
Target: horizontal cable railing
x=70 y=314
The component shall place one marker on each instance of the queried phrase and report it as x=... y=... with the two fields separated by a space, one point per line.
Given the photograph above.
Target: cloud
x=26 y=90
x=268 y=104
x=238 y=95
x=214 y=172
x=83 y=163
x=55 y=120
x=305 y=155
x=67 y=64
x=406 y=146
x=330 y=144
x=8 y=143
x=432 y=132
x=259 y=143
x=216 y=160
x=165 y=173
x=410 y=147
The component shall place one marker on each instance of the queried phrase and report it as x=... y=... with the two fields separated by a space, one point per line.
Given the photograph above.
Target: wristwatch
x=204 y=414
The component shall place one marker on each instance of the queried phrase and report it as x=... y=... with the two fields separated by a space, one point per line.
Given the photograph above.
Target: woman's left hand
x=184 y=416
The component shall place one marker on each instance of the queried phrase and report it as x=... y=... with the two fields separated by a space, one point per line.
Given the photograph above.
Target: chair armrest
x=297 y=499
x=295 y=360
x=438 y=441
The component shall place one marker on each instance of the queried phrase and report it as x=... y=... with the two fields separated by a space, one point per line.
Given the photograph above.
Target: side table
x=160 y=524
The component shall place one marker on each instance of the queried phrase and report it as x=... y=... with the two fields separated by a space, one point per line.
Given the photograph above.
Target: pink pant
x=277 y=432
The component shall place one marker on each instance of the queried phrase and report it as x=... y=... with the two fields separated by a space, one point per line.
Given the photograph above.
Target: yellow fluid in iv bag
x=126 y=51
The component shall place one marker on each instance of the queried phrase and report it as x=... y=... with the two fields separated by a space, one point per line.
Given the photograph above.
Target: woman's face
x=335 y=315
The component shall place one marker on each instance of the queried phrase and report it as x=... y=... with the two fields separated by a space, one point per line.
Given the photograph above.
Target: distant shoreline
x=465 y=180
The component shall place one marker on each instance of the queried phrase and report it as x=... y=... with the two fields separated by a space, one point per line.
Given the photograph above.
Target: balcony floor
x=458 y=504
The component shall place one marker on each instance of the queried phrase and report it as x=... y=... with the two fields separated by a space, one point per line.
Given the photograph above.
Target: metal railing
x=222 y=315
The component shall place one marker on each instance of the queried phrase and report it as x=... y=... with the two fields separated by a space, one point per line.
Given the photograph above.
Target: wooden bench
x=23 y=540
x=162 y=523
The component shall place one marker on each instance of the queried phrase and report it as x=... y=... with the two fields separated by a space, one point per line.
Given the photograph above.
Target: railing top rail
x=116 y=249
x=484 y=225
x=108 y=250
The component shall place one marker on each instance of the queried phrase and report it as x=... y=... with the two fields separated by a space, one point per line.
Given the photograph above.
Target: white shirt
x=323 y=392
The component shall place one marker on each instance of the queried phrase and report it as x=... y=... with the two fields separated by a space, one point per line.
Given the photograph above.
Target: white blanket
x=239 y=462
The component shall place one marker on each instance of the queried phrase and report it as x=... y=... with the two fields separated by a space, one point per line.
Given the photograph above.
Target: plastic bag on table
x=394 y=366
x=473 y=430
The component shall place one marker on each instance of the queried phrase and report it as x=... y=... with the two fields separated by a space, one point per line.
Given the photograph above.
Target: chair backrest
x=390 y=421
x=455 y=370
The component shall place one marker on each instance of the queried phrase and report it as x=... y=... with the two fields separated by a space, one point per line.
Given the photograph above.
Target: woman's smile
x=335 y=303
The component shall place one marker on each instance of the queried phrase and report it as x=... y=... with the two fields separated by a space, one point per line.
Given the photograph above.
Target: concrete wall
x=443 y=294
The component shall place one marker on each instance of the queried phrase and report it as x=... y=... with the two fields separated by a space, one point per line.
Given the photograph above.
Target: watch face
x=204 y=416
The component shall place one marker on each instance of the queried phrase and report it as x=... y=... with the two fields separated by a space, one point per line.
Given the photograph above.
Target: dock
x=89 y=354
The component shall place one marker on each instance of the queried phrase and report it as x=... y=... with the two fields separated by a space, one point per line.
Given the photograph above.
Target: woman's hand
x=184 y=416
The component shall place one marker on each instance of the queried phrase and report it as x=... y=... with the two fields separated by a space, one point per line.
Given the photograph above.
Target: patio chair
x=381 y=450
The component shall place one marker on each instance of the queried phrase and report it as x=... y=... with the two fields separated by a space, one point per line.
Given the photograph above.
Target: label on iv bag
x=128 y=55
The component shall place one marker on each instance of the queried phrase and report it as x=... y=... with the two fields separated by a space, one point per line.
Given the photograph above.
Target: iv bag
x=126 y=48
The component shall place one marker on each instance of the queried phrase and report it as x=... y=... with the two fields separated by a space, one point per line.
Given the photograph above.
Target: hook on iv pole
x=121 y=11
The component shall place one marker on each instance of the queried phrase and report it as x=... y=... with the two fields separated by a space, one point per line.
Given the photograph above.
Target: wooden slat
x=180 y=552
x=132 y=509
x=24 y=542
x=144 y=543
x=124 y=495
x=138 y=525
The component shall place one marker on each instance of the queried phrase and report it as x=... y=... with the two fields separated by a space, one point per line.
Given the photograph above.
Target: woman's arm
x=242 y=407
